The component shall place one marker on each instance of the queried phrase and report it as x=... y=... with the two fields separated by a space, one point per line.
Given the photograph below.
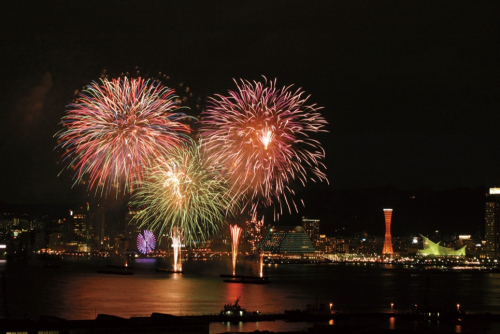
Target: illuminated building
x=435 y=249
x=132 y=230
x=98 y=217
x=492 y=228
x=3 y=251
x=76 y=225
x=312 y=228
x=287 y=240
x=132 y=225
x=88 y=225
x=326 y=244
x=388 y=239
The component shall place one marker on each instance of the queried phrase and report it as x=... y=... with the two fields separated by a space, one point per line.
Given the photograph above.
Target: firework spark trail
x=235 y=236
x=116 y=128
x=261 y=271
x=260 y=134
x=177 y=245
x=183 y=191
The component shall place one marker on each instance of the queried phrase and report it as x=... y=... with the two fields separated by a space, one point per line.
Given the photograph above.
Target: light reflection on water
x=77 y=291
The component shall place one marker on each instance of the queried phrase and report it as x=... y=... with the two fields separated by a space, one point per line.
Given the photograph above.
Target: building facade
x=491 y=218
x=288 y=240
x=435 y=249
x=311 y=226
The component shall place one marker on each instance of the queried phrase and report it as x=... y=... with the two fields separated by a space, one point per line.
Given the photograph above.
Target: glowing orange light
x=388 y=239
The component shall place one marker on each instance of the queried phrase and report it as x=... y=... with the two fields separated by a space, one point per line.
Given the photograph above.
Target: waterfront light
x=458 y=307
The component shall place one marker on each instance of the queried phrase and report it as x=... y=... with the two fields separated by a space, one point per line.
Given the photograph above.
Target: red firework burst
x=260 y=133
x=116 y=128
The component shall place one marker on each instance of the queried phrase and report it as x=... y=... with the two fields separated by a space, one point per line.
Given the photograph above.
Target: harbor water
x=77 y=291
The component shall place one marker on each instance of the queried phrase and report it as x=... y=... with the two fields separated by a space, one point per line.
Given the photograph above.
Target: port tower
x=388 y=239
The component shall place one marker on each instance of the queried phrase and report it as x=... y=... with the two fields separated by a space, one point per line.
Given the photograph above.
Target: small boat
x=119 y=266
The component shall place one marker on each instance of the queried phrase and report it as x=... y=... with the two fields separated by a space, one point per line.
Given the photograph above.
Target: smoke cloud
x=31 y=106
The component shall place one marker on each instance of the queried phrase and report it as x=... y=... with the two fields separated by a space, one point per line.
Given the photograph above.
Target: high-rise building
x=492 y=222
x=312 y=228
x=96 y=224
x=388 y=238
x=76 y=225
x=287 y=240
x=132 y=230
x=132 y=226
x=87 y=224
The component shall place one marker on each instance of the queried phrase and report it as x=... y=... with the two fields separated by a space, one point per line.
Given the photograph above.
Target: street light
x=458 y=307
x=331 y=304
x=392 y=306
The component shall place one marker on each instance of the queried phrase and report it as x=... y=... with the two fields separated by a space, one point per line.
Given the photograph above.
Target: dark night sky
x=411 y=89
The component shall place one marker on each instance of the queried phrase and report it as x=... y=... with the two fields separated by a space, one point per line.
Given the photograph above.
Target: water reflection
x=77 y=291
x=233 y=291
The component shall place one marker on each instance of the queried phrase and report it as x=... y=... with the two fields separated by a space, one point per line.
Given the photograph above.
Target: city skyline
x=453 y=212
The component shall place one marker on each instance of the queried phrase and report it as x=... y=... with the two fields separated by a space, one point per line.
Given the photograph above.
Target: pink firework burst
x=260 y=134
x=116 y=128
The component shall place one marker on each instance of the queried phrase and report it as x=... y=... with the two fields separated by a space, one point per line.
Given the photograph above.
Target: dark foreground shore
x=303 y=317
x=351 y=323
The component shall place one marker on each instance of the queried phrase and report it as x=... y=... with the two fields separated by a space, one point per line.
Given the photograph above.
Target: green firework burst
x=183 y=191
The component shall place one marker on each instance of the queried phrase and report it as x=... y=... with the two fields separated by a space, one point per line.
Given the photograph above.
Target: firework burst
x=260 y=135
x=116 y=128
x=183 y=192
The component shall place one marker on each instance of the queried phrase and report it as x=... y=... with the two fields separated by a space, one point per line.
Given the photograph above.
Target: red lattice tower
x=388 y=239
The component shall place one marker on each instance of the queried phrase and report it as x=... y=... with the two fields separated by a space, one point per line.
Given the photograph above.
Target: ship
x=236 y=310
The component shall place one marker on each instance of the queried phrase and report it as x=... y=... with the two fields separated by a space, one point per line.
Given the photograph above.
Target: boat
x=119 y=266
x=236 y=310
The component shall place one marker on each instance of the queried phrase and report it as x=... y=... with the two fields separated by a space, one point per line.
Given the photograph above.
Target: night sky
x=411 y=89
